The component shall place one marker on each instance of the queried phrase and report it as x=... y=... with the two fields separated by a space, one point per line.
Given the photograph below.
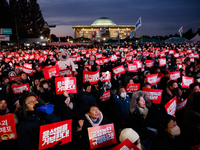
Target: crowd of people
x=146 y=124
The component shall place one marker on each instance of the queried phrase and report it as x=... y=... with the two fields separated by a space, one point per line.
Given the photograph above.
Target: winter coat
x=63 y=63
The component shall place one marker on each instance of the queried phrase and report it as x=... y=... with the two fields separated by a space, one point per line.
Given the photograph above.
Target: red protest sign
x=186 y=81
x=153 y=95
x=27 y=70
x=26 y=65
x=139 y=63
x=152 y=78
x=76 y=59
x=195 y=147
x=18 y=89
x=171 y=51
x=92 y=57
x=117 y=52
x=7 y=127
x=132 y=67
x=106 y=60
x=176 y=55
x=181 y=104
x=100 y=61
x=113 y=58
x=65 y=84
x=67 y=72
x=149 y=63
x=170 y=107
x=130 y=88
x=128 y=58
x=15 y=78
x=91 y=76
x=118 y=70
x=51 y=134
x=41 y=59
x=98 y=56
x=106 y=76
x=101 y=135
x=174 y=75
x=51 y=71
x=88 y=66
x=183 y=66
x=39 y=68
x=125 y=145
x=106 y=96
x=162 y=62
x=123 y=59
x=19 y=67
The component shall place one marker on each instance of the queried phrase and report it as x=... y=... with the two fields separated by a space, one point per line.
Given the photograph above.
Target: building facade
x=113 y=31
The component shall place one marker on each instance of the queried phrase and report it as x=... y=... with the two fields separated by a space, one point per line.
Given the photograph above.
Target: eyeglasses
x=31 y=102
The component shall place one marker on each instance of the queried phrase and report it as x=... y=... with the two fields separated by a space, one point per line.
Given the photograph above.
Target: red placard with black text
x=7 y=127
x=51 y=134
x=152 y=78
x=67 y=72
x=132 y=67
x=101 y=135
x=130 y=88
x=51 y=71
x=170 y=107
x=153 y=95
x=15 y=78
x=65 y=84
x=106 y=96
x=27 y=70
x=118 y=70
x=18 y=89
x=186 y=81
x=91 y=76
x=174 y=75
x=125 y=145
x=149 y=63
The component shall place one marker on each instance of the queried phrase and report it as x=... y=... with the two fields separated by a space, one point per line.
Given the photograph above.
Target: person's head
x=6 y=79
x=3 y=104
x=129 y=133
x=173 y=86
x=67 y=99
x=194 y=87
x=131 y=81
x=122 y=92
x=23 y=76
x=141 y=102
x=44 y=84
x=87 y=87
x=167 y=125
x=93 y=111
x=147 y=85
x=37 y=82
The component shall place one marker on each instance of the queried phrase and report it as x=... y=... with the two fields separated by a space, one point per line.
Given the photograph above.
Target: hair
x=3 y=98
x=193 y=85
x=171 y=82
x=6 y=77
x=85 y=85
x=43 y=82
x=89 y=106
x=146 y=83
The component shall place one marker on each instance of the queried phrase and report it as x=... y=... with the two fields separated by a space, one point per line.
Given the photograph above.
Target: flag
x=131 y=34
x=138 y=23
x=101 y=31
x=180 y=31
x=94 y=35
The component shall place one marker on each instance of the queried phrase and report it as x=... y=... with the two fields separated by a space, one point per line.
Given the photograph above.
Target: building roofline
x=102 y=26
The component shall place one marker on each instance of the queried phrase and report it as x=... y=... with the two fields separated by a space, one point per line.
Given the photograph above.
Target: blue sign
x=5 y=31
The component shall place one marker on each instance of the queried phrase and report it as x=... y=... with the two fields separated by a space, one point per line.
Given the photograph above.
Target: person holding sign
x=168 y=137
x=31 y=119
x=93 y=117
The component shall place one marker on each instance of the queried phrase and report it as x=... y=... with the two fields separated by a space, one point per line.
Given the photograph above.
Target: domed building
x=109 y=28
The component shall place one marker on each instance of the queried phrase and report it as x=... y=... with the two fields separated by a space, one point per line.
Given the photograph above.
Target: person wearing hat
x=129 y=133
x=30 y=121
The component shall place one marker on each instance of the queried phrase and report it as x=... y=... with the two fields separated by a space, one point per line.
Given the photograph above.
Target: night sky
x=159 y=17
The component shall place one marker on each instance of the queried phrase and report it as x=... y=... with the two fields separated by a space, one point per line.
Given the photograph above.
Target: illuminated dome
x=103 y=21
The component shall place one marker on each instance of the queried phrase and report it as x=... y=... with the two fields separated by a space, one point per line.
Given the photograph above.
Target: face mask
x=175 y=90
x=45 y=86
x=175 y=131
x=123 y=95
x=63 y=56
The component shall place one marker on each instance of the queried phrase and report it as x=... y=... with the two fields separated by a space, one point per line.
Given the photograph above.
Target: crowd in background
x=155 y=128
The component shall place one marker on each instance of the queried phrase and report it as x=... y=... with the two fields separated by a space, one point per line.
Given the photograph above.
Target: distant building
x=113 y=31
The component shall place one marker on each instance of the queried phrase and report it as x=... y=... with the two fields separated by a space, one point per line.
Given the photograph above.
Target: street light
x=42 y=37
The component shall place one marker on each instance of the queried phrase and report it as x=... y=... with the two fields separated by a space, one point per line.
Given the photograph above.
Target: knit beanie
x=130 y=134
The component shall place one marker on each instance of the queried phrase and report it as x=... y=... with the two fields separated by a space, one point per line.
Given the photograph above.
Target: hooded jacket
x=64 y=62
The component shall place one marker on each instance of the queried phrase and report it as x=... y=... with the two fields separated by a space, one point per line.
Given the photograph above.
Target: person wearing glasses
x=30 y=121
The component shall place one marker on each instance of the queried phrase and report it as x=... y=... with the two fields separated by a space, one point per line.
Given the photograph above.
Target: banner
x=18 y=89
x=125 y=145
x=15 y=78
x=186 y=81
x=65 y=84
x=174 y=75
x=51 y=71
x=170 y=107
x=162 y=62
x=106 y=76
x=153 y=95
x=149 y=63
x=152 y=78
x=118 y=70
x=132 y=67
x=101 y=135
x=51 y=134
x=67 y=72
x=27 y=70
x=106 y=96
x=181 y=104
x=130 y=88
x=7 y=127
x=91 y=76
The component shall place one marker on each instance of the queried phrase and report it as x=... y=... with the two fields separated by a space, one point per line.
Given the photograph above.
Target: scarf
x=91 y=122
x=143 y=111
